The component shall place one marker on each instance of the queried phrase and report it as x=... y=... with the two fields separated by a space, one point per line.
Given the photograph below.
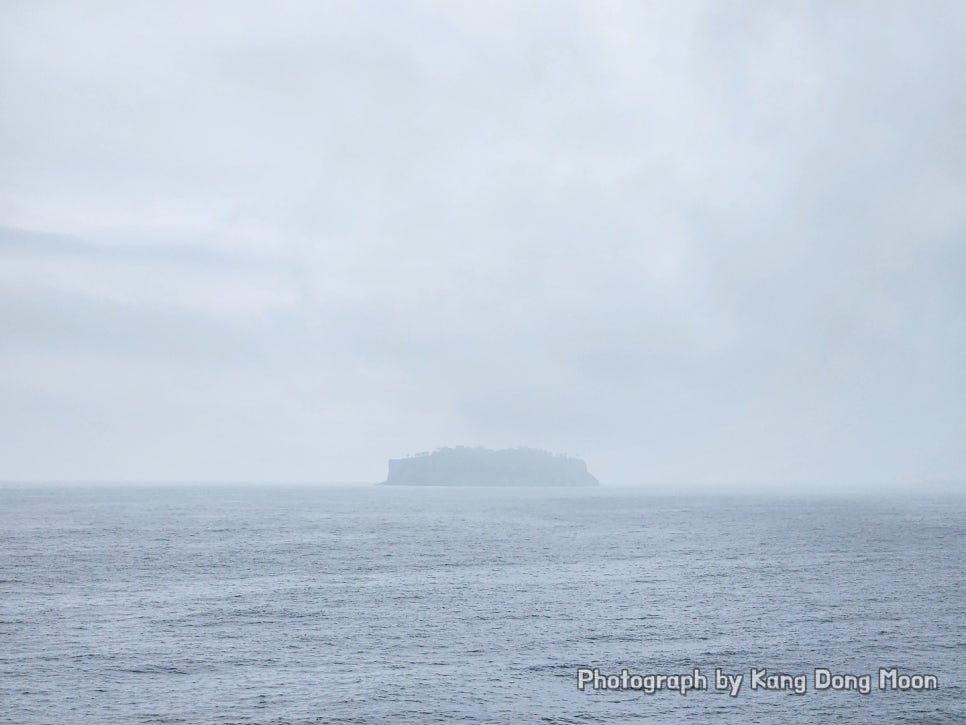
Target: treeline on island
x=465 y=466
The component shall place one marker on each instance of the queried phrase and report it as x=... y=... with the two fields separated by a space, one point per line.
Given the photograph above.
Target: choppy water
x=414 y=605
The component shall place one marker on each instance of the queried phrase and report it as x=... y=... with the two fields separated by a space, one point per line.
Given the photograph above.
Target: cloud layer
x=705 y=243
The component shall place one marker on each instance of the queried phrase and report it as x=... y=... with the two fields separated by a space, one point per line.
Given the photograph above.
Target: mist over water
x=378 y=604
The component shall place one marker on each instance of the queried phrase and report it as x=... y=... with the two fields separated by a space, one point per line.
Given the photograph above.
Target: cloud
x=699 y=243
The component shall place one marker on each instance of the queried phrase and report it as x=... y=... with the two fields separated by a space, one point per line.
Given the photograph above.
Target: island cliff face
x=484 y=467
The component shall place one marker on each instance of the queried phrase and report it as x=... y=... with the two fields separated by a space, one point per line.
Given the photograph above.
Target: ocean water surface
x=365 y=604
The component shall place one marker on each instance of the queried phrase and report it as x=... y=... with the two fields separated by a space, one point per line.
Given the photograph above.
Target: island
x=464 y=466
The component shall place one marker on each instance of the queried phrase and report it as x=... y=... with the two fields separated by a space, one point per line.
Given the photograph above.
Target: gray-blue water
x=424 y=605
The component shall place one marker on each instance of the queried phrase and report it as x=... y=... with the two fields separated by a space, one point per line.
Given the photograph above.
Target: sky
x=714 y=244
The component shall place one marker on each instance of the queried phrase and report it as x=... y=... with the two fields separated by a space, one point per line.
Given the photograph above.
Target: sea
x=378 y=604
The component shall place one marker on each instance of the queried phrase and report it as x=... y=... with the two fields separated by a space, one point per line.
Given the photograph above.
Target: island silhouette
x=465 y=466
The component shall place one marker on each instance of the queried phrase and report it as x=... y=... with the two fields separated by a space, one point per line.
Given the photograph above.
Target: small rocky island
x=462 y=466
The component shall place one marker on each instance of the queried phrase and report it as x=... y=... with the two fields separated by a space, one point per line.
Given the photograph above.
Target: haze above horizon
x=707 y=245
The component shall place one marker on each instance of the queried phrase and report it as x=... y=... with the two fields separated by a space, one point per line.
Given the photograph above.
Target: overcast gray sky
x=707 y=242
